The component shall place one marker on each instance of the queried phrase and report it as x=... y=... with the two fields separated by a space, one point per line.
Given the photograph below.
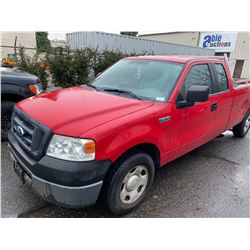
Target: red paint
x=119 y=123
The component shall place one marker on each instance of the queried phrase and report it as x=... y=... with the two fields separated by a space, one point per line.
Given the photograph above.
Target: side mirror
x=196 y=93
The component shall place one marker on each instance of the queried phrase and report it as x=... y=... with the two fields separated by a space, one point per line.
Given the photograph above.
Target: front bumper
x=69 y=184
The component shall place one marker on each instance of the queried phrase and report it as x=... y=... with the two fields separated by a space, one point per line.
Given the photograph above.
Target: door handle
x=214 y=106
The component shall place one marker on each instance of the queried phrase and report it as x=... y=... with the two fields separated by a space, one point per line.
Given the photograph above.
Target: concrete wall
x=24 y=39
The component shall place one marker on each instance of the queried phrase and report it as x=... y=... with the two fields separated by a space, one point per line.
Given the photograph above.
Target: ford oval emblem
x=19 y=130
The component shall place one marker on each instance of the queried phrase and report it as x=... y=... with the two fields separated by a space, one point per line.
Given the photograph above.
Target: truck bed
x=241 y=84
x=241 y=97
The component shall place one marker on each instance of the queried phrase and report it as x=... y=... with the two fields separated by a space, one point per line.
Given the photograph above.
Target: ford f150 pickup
x=104 y=140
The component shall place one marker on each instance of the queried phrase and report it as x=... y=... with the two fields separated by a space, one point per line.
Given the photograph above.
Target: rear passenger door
x=223 y=98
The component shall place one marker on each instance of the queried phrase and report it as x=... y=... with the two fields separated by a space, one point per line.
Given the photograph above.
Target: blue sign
x=220 y=42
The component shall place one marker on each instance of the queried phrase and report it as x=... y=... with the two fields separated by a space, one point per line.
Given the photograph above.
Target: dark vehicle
x=16 y=85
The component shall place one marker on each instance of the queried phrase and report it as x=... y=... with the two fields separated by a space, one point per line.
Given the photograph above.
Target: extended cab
x=106 y=139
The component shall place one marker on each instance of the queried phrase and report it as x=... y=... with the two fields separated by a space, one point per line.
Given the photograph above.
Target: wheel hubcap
x=134 y=184
x=247 y=124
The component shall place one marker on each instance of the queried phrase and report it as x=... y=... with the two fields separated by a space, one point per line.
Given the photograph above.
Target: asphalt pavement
x=211 y=181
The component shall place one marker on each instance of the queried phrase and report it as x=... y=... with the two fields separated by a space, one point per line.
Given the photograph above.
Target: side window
x=198 y=75
x=222 y=78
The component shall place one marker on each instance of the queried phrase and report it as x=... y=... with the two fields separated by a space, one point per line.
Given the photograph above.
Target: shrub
x=76 y=67
x=106 y=59
x=32 y=65
x=71 y=67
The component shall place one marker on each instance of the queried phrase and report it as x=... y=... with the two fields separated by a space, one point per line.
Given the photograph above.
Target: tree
x=129 y=33
x=43 y=43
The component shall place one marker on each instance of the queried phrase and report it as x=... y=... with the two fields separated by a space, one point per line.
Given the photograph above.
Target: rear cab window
x=222 y=81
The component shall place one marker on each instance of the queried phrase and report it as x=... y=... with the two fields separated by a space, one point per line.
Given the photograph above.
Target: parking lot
x=211 y=181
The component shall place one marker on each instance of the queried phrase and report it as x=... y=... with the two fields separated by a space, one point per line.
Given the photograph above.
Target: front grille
x=30 y=134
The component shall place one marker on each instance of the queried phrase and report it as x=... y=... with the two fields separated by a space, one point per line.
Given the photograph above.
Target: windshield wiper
x=122 y=91
x=92 y=86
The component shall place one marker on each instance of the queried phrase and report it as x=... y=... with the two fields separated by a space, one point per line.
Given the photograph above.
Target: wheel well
x=148 y=148
x=11 y=97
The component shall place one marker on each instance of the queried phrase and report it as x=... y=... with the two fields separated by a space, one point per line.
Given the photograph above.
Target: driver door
x=198 y=120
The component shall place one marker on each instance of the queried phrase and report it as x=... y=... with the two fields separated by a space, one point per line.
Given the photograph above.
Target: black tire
x=114 y=182
x=241 y=129
x=6 y=112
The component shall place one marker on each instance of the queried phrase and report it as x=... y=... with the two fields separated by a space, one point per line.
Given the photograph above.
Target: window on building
x=222 y=54
x=238 y=68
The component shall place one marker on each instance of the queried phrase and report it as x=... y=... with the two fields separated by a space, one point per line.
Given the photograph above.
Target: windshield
x=147 y=79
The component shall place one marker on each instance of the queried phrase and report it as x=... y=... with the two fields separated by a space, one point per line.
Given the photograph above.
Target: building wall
x=58 y=43
x=24 y=39
x=241 y=52
x=128 y=44
x=185 y=38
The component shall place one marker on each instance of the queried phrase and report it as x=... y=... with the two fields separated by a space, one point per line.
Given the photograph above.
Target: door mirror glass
x=197 y=93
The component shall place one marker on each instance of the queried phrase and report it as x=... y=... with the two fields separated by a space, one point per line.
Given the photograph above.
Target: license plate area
x=19 y=171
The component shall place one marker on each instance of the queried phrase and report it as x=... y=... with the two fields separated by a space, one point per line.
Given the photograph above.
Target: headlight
x=35 y=89
x=71 y=149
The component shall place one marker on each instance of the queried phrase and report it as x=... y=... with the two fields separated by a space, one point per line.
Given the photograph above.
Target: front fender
x=116 y=137
x=123 y=147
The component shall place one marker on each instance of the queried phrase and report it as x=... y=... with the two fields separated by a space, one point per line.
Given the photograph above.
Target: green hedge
x=71 y=67
x=32 y=65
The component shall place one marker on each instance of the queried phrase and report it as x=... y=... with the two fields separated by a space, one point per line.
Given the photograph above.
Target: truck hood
x=14 y=76
x=75 y=110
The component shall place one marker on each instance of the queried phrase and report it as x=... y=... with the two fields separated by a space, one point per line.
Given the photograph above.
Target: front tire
x=129 y=182
x=241 y=129
x=6 y=112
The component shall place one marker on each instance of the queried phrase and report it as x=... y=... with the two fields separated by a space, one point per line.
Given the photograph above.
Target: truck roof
x=178 y=58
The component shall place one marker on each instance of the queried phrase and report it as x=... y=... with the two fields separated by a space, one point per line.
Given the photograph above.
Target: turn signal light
x=89 y=148
x=33 y=89
x=36 y=89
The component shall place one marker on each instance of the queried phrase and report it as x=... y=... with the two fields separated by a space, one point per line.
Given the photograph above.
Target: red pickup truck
x=106 y=139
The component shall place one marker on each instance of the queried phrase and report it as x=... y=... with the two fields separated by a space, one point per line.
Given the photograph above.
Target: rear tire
x=129 y=182
x=6 y=112
x=241 y=129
